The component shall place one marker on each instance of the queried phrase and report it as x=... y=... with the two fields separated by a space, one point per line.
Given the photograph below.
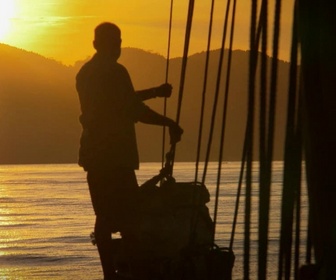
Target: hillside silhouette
x=39 y=106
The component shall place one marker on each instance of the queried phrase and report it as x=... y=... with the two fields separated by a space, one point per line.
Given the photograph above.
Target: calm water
x=46 y=218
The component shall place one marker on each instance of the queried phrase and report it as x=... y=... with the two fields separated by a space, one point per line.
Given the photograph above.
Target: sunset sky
x=63 y=29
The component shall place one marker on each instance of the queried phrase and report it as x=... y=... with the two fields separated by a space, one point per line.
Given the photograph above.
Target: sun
x=7 y=11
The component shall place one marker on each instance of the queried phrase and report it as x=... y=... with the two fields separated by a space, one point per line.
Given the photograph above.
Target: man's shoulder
x=85 y=67
x=119 y=71
x=121 y=67
x=95 y=65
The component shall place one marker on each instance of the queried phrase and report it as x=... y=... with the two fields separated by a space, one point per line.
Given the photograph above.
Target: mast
x=318 y=46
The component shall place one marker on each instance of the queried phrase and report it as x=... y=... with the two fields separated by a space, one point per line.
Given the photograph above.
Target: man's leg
x=99 y=186
x=105 y=248
x=113 y=194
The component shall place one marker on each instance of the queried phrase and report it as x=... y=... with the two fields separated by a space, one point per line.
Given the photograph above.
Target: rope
x=264 y=172
x=183 y=70
x=298 y=220
x=227 y=86
x=292 y=164
x=266 y=162
x=253 y=63
x=249 y=139
x=166 y=80
x=215 y=103
x=206 y=70
x=309 y=244
x=240 y=183
x=194 y=222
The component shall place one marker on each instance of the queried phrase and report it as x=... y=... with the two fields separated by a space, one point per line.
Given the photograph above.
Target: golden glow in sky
x=63 y=29
x=7 y=11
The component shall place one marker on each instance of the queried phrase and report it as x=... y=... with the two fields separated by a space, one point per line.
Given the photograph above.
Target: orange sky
x=63 y=29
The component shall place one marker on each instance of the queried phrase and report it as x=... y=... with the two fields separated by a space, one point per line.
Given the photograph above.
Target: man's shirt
x=109 y=110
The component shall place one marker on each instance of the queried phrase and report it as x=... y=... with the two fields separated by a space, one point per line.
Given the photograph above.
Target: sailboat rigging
x=186 y=247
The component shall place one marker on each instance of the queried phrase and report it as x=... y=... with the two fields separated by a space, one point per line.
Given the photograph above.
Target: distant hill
x=39 y=106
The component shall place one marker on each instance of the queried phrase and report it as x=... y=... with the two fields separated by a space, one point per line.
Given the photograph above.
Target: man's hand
x=164 y=90
x=175 y=132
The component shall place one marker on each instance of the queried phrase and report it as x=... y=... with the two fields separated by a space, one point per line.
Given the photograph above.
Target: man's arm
x=151 y=117
x=163 y=90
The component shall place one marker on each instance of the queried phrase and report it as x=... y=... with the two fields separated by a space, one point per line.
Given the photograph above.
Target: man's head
x=108 y=39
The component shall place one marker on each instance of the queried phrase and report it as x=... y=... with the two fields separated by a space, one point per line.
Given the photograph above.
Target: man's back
x=109 y=109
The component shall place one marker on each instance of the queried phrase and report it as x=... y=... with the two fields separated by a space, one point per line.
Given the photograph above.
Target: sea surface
x=46 y=219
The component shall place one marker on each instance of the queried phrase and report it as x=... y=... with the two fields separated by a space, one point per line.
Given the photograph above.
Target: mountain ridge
x=39 y=106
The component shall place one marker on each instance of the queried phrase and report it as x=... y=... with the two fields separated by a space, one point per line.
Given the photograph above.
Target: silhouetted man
x=108 y=152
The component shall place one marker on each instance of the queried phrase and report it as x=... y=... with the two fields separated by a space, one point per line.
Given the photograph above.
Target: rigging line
x=258 y=33
x=224 y=117
x=185 y=57
x=285 y=233
x=264 y=186
x=218 y=84
x=169 y=38
x=263 y=87
x=257 y=39
x=309 y=238
x=297 y=235
x=183 y=71
x=256 y=46
x=266 y=167
x=196 y=213
x=214 y=108
x=240 y=183
x=291 y=184
x=249 y=139
x=265 y=181
x=166 y=80
x=309 y=246
x=206 y=70
x=298 y=133
x=234 y=223
x=274 y=80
